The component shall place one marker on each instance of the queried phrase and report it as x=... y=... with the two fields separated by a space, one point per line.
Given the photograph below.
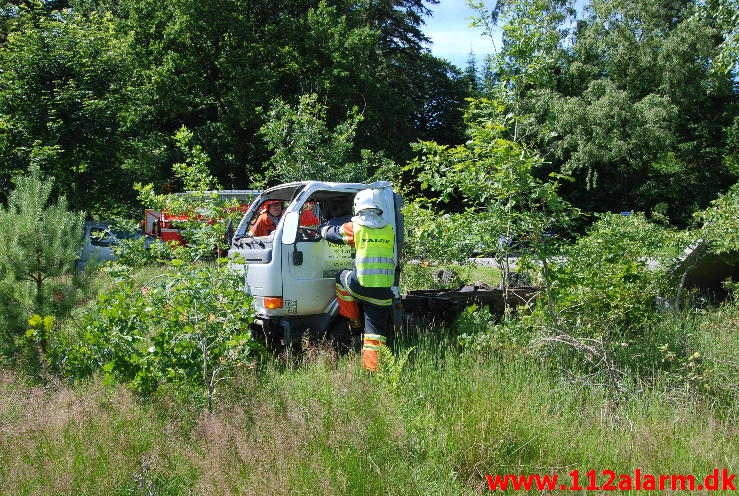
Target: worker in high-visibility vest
x=369 y=282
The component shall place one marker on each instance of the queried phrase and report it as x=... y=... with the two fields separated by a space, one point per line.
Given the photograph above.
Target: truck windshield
x=263 y=220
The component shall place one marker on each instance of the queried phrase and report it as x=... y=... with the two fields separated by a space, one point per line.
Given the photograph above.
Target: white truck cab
x=291 y=273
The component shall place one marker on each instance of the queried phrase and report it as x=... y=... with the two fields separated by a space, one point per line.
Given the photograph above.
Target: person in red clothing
x=267 y=221
x=307 y=215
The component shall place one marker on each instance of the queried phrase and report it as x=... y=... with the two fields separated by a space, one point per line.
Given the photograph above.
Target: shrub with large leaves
x=448 y=238
x=609 y=280
x=187 y=326
x=721 y=222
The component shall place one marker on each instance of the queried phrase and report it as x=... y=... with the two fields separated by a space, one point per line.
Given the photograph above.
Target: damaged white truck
x=291 y=273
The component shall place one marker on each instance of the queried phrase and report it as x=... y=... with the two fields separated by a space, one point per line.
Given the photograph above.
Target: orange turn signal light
x=273 y=302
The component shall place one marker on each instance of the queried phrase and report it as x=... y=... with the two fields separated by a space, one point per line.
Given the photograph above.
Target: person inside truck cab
x=370 y=281
x=267 y=221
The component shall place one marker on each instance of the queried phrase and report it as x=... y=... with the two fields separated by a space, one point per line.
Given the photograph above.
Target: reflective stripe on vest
x=374 y=262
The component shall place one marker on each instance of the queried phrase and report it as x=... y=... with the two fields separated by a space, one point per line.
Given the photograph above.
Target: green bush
x=478 y=330
x=603 y=318
x=721 y=222
x=305 y=148
x=608 y=281
x=187 y=326
x=444 y=238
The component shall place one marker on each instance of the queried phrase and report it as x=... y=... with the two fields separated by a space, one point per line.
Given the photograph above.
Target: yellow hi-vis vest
x=374 y=263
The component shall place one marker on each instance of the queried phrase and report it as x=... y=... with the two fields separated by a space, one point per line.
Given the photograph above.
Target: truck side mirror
x=228 y=236
x=290 y=227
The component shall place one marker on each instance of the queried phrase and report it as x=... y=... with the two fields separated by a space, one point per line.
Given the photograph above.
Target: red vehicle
x=163 y=225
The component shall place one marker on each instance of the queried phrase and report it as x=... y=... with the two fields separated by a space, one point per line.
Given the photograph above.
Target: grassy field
x=321 y=425
x=436 y=420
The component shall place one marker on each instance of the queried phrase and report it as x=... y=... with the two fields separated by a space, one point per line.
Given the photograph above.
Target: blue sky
x=452 y=38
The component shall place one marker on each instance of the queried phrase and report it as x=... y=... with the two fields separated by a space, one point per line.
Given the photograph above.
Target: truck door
x=310 y=266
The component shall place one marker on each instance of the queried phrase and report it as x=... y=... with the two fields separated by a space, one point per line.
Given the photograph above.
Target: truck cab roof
x=287 y=191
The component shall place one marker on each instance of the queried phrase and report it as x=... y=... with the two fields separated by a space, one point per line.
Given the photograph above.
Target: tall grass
x=322 y=425
x=83 y=440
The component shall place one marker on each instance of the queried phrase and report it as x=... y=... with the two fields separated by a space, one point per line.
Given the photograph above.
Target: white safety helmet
x=368 y=198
